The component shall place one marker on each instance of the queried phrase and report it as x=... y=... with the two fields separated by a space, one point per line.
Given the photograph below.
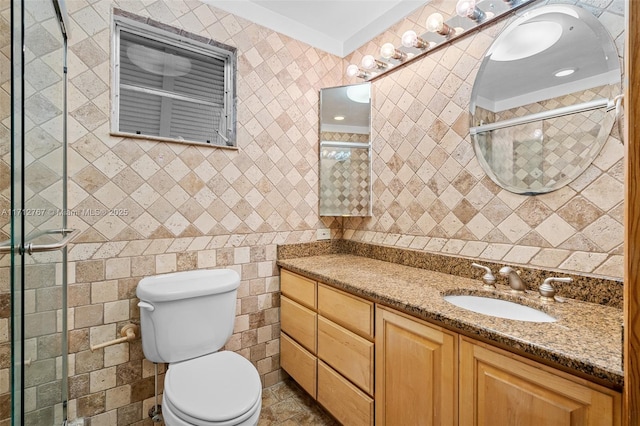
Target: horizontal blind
x=169 y=91
x=140 y=113
x=194 y=122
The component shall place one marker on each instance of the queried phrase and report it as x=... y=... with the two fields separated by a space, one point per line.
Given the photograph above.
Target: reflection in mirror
x=345 y=150
x=541 y=103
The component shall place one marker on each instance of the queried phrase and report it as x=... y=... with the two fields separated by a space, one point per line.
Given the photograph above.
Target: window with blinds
x=170 y=86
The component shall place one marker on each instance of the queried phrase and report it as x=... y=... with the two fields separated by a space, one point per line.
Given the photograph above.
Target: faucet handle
x=547 y=291
x=488 y=278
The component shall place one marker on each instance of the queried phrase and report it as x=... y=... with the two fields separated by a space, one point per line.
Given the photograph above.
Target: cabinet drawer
x=346 y=402
x=347 y=353
x=299 y=323
x=299 y=363
x=298 y=288
x=349 y=311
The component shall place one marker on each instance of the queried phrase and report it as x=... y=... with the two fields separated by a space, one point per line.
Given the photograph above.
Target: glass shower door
x=36 y=220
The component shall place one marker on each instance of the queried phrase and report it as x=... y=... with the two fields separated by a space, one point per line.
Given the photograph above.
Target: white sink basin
x=499 y=308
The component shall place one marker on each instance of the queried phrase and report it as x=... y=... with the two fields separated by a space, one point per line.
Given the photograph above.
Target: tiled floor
x=287 y=404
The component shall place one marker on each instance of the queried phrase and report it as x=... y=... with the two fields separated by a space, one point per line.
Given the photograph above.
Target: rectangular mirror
x=345 y=150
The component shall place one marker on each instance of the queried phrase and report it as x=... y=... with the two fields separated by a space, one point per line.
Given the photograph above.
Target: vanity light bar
x=545 y=115
x=477 y=13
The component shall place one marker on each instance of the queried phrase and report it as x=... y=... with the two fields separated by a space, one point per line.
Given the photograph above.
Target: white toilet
x=186 y=317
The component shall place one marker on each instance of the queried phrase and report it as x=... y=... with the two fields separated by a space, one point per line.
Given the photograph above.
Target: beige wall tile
x=193 y=207
x=104 y=291
x=116 y=311
x=87 y=316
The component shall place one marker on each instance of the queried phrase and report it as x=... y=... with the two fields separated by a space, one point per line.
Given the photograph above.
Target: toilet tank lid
x=184 y=285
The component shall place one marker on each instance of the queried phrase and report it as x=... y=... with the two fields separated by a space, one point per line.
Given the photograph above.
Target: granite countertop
x=586 y=339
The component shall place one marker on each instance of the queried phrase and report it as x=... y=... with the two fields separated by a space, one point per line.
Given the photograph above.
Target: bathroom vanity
x=375 y=342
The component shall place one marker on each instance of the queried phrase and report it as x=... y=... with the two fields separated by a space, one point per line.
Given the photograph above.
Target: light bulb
x=464 y=7
x=409 y=38
x=435 y=23
x=387 y=50
x=468 y=9
x=354 y=71
x=368 y=62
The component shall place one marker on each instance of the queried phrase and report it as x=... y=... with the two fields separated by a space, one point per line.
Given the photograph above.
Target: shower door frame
x=20 y=245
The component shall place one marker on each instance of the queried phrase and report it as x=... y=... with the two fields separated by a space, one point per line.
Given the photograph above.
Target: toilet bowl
x=220 y=389
x=185 y=319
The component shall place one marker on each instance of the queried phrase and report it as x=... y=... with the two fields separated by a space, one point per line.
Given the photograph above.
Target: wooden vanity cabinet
x=424 y=374
x=298 y=324
x=416 y=371
x=498 y=388
x=346 y=356
x=326 y=346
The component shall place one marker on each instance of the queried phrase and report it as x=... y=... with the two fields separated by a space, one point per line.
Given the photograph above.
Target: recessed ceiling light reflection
x=339 y=117
x=527 y=40
x=158 y=62
x=565 y=72
x=359 y=93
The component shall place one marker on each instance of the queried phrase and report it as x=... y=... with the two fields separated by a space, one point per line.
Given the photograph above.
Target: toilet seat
x=222 y=388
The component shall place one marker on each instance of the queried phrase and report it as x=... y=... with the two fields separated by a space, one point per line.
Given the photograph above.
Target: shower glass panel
x=35 y=219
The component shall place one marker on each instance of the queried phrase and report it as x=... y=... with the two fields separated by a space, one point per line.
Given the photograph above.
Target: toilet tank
x=184 y=315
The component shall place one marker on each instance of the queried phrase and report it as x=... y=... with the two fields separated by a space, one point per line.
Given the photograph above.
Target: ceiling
x=584 y=46
x=337 y=27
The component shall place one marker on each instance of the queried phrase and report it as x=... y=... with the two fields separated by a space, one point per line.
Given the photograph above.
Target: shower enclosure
x=33 y=234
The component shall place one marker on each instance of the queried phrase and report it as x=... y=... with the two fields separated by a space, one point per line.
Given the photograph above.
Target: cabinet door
x=416 y=372
x=498 y=388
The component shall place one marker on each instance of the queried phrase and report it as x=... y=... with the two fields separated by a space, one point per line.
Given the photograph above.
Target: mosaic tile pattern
x=173 y=207
x=345 y=181
x=549 y=153
x=190 y=207
x=344 y=137
x=430 y=193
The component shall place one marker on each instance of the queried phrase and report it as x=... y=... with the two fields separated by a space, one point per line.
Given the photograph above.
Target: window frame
x=181 y=40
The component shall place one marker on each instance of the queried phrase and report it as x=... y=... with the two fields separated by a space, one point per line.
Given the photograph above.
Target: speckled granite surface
x=586 y=339
x=586 y=288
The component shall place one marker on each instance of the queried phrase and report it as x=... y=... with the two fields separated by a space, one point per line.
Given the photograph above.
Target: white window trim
x=183 y=40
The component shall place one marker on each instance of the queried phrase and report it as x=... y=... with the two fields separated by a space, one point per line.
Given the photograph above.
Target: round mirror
x=542 y=103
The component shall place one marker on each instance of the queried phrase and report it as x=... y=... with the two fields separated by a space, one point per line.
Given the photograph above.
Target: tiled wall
x=345 y=187
x=192 y=207
x=546 y=154
x=188 y=207
x=429 y=192
x=179 y=207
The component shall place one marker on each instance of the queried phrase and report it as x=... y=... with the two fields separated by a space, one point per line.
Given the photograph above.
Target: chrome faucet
x=488 y=278
x=547 y=291
x=516 y=283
